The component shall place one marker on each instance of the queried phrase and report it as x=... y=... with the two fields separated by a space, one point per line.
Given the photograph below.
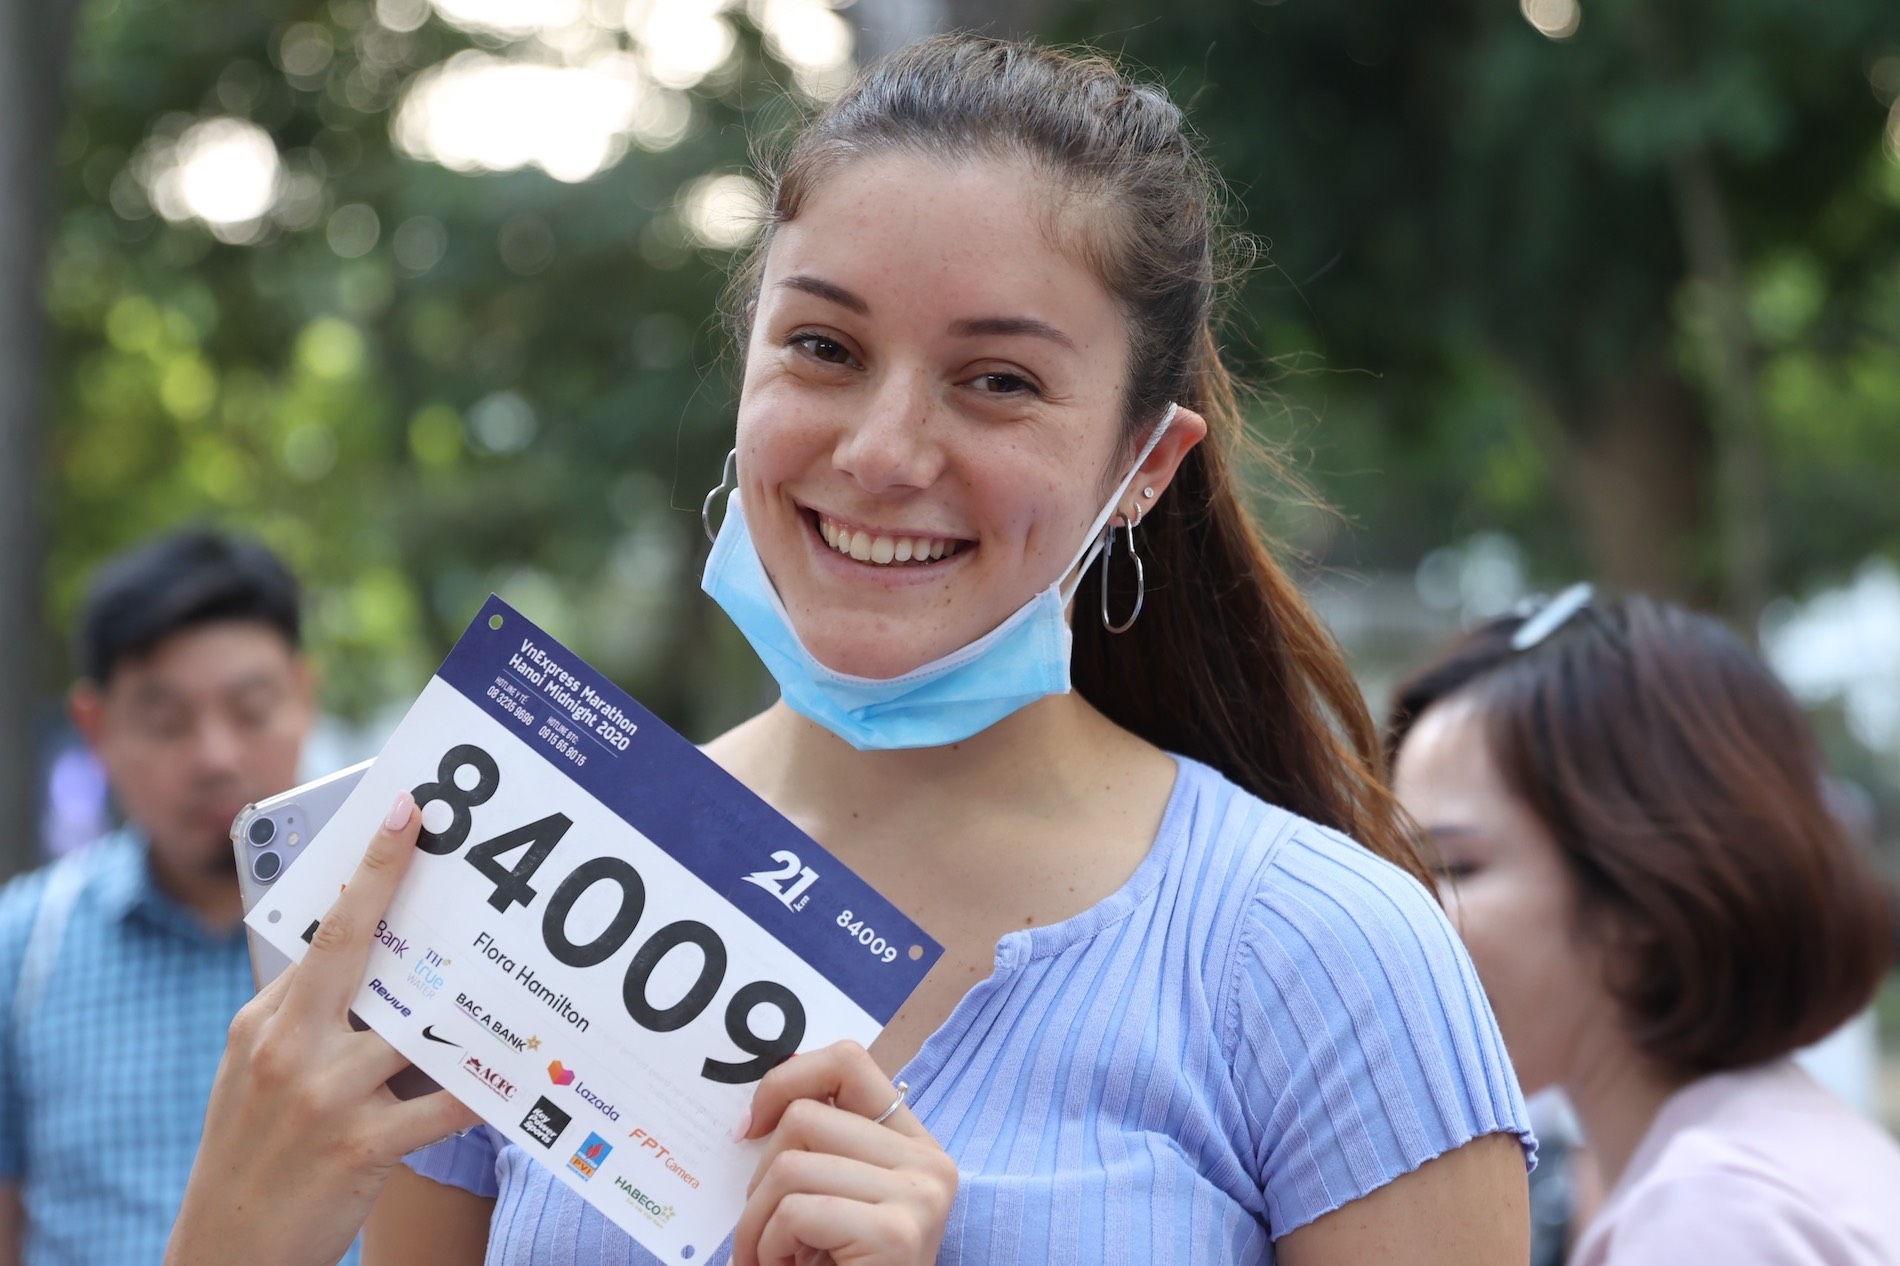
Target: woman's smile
x=886 y=546
x=860 y=552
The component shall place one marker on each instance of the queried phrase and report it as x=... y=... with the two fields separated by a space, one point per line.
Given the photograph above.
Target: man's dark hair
x=1685 y=791
x=147 y=594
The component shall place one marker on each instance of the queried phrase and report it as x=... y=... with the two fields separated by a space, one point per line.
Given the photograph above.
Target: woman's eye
x=817 y=346
x=1456 y=872
x=1003 y=384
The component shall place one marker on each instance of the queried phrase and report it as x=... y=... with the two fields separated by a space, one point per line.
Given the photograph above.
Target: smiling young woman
x=1181 y=1012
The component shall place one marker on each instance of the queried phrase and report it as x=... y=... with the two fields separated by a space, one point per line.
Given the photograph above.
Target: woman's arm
x=1468 y=1207
x=417 y=1219
x=301 y=1133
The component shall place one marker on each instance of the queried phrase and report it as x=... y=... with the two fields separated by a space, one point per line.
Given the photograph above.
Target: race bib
x=605 y=940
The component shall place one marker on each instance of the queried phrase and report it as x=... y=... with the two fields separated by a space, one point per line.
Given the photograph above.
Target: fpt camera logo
x=586 y=1161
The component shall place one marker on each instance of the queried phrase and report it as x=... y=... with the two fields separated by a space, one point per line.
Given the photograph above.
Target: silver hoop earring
x=727 y=482
x=1141 y=575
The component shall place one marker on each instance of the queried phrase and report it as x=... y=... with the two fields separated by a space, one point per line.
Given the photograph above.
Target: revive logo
x=402 y=1008
x=586 y=1161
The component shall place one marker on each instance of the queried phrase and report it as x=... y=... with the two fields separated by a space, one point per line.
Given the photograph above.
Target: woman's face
x=1510 y=894
x=931 y=409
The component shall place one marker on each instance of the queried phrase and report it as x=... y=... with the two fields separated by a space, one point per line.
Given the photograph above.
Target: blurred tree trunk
x=1721 y=324
x=1636 y=466
x=35 y=36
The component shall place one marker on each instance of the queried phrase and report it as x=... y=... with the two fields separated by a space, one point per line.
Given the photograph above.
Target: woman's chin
x=878 y=657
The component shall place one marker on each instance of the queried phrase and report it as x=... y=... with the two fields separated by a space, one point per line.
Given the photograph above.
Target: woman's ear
x=1155 y=473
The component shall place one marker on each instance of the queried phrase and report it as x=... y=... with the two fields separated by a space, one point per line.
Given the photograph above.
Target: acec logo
x=560 y=1076
x=490 y=1077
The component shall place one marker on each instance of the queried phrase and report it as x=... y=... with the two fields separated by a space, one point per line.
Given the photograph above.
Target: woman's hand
x=832 y=1186
x=301 y=1133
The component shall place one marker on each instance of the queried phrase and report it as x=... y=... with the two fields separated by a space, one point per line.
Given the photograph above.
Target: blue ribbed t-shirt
x=1264 y=1023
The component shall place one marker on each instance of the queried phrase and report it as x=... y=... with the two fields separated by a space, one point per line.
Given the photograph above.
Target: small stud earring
x=1148 y=493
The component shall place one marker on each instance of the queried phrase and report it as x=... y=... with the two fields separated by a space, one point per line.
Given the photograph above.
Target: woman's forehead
x=971 y=240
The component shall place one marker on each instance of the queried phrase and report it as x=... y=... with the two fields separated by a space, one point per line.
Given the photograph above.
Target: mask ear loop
x=728 y=481
x=1141 y=574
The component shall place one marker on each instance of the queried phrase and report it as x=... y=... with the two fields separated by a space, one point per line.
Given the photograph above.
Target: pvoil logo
x=545 y=1122
x=586 y=1161
x=560 y=1076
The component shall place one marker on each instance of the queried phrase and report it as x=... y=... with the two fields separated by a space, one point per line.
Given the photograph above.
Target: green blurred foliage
x=538 y=410
x=1475 y=252
x=1474 y=249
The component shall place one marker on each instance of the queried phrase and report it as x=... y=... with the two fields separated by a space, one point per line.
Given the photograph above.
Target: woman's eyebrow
x=827 y=291
x=1012 y=325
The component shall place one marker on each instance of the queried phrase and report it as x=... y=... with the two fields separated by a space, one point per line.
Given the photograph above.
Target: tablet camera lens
x=263 y=831
x=266 y=866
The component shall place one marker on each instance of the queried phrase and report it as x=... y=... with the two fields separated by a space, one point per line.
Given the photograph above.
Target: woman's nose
x=891 y=446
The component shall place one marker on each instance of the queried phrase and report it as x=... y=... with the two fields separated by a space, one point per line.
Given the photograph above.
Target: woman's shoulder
x=1360 y=1043
x=1762 y=1156
x=1298 y=877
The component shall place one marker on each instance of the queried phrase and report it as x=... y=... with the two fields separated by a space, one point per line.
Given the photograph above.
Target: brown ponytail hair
x=1227 y=664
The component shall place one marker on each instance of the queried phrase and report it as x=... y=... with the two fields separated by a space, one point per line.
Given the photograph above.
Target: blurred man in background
x=122 y=966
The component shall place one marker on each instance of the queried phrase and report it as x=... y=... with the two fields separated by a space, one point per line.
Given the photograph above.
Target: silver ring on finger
x=903 y=1090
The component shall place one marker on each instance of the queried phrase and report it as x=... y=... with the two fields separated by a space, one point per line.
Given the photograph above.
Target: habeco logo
x=658 y=1214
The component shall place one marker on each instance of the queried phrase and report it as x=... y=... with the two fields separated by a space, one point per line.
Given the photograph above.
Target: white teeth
x=884 y=550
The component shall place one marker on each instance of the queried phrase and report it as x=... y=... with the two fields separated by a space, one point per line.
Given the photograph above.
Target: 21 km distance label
x=604 y=940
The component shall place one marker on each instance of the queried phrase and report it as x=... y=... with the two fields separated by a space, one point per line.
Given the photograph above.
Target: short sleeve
x=1716 y=1216
x=467 y=1162
x=19 y=902
x=1363 y=1043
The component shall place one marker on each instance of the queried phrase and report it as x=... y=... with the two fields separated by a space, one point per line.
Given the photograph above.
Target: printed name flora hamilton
x=523 y=974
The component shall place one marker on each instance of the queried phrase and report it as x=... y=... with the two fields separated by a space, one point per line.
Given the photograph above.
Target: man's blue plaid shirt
x=103 y=1091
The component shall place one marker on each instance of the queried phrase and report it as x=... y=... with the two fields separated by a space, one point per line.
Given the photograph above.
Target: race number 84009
x=534 y=841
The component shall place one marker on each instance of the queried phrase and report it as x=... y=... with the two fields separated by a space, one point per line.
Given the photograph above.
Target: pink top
x=1760 y=1167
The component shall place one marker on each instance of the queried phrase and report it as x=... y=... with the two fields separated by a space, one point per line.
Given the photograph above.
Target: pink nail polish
x=399 y=812
x=744 y=1127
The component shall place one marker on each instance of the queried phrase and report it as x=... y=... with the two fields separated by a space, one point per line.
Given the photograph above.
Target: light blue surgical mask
x=1021 y=660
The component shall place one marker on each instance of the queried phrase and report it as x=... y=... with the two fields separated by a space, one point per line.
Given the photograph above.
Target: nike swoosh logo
x=428 y=1031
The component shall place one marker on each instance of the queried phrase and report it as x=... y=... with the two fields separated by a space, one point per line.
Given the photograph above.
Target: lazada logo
x=560 y=1076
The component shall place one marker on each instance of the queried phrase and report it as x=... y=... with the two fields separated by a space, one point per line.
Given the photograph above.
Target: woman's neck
x=1617 y=1093
x=1036 y=763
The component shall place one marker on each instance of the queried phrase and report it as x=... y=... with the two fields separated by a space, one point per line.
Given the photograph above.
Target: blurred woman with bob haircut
x=1631 y=813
